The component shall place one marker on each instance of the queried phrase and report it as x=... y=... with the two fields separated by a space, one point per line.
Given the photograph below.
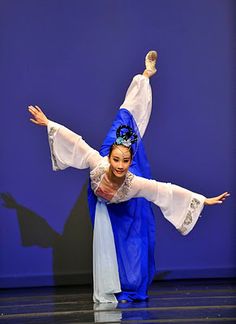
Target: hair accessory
x=125 y=136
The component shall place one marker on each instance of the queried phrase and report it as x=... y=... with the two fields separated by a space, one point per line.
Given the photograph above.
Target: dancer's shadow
x=72 y=250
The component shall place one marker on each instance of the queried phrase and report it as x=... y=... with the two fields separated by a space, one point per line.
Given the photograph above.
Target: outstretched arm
x=179 y=206
x=67 y=148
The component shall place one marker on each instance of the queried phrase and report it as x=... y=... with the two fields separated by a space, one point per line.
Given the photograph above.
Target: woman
x=120 y=193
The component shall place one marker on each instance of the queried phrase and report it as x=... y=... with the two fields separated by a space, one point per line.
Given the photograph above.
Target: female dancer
x=124 y=228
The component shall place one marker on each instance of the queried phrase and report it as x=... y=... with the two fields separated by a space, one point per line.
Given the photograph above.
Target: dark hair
x=114 y=146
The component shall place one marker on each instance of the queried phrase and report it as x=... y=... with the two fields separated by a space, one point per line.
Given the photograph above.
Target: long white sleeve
x=138 y=101
x=179 y=206
x=69 y=149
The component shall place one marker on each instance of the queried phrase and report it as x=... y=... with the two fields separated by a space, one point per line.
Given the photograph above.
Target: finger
x=225 y=193
x=34 y=121
x=225 y=196
x=222 y=195
x=32 y=107
x=36 y=110
x=33 y=110
x=39 y=109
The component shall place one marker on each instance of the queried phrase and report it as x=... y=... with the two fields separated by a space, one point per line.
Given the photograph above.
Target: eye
x=126 y=161
x=115 y=159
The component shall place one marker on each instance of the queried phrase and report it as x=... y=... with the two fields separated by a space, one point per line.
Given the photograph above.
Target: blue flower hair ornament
x=125 y=136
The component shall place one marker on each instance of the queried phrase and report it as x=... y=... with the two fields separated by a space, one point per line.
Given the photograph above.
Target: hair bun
x=125 y=136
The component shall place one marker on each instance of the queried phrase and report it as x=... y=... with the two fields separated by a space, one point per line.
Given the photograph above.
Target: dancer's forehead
x=121 y=151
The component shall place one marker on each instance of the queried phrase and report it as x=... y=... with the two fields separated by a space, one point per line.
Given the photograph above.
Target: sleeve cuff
x=52 y=124
x=52 y=129
x=193 y=213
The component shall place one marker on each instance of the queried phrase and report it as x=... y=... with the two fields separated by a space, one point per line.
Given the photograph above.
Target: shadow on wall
x=72 y=251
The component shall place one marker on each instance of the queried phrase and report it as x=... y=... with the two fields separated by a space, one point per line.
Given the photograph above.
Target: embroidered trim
x=51 y=143
x=123 y=191
x=96 y=175
x=189 y=216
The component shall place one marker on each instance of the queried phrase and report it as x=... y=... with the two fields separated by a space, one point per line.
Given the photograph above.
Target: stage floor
x=181 y=301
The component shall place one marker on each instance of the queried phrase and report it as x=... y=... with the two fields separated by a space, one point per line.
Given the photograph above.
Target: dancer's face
x=120 y=160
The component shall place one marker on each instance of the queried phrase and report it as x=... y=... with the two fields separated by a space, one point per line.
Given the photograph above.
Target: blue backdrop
x=75 y=59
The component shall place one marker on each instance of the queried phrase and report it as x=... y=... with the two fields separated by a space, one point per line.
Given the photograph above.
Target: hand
x=216 y=200
x=39 y=117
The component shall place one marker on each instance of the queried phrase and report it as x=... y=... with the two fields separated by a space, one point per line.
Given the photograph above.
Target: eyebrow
x=117 y=157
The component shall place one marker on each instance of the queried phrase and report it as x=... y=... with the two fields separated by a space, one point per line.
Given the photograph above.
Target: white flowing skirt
x=106 y=280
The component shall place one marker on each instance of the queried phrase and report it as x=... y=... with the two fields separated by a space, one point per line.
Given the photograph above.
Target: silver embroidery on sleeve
x=189 y=216
x=51 y=142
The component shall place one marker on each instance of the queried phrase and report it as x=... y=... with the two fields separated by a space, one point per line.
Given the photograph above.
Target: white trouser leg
x=106 y=281
x=138 y=101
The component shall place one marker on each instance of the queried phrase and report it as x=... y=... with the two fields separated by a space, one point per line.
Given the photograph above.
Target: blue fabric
x=132 y=221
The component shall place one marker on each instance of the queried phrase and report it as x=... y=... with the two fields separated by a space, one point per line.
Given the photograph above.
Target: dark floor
x=188 y=301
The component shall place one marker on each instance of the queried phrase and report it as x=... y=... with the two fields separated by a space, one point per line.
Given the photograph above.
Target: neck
x=114 y=179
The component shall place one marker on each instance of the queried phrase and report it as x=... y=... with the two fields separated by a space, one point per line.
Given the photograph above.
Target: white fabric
x=69 y=149
x=138 y=101
x=180 y=206
x=106 y=280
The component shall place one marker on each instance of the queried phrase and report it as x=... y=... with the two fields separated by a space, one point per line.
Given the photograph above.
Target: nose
x=120 y=165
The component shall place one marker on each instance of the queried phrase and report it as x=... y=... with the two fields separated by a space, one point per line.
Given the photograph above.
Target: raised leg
x=138 y=99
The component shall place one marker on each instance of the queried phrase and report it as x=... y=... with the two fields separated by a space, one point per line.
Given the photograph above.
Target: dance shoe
x=150 y=62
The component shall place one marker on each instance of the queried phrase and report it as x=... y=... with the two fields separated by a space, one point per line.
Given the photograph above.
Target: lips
x=119 y=172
